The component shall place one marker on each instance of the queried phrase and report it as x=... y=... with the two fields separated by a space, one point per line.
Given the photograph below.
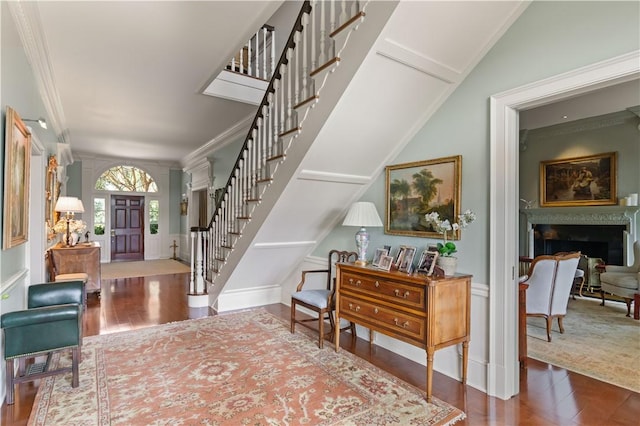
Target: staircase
x=319 y=59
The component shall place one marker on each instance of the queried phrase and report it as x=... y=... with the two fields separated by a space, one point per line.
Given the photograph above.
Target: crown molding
x=230 y=135
x=27 y=19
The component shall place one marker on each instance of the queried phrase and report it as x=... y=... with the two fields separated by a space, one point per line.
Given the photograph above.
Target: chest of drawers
x=428 y=312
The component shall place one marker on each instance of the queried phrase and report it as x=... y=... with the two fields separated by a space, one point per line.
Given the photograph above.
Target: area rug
x=146 y=268
x=599 y=342
x=243 y=368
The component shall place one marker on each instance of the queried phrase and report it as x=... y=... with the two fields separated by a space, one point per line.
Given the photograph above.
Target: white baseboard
x=248 y=298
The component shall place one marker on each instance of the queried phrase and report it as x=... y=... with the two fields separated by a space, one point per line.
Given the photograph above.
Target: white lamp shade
x=69 y=205
x=362 y=213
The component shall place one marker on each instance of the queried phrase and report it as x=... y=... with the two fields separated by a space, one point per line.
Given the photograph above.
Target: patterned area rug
x=599 y=342
x=146 y=268
x=242 y=368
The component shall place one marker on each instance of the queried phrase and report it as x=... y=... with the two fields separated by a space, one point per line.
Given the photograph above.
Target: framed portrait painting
x=416 y=189
x=579 y=181
x=17 y=155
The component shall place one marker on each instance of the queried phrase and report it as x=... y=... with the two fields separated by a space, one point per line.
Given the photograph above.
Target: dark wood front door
x=127 y=228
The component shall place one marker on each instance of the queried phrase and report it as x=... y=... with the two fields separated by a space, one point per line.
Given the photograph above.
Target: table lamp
x=69 y=206
x=362 y=214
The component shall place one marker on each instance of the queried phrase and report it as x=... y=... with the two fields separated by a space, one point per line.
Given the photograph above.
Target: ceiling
x=125 y=78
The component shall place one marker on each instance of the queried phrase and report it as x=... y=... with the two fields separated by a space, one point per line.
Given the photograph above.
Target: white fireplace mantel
x=596 y=215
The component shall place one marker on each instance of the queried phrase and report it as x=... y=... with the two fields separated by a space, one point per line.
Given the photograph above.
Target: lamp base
x=361 y=262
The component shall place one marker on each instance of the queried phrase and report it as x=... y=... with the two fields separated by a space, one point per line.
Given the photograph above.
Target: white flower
x=443 y=226
x=75 y=225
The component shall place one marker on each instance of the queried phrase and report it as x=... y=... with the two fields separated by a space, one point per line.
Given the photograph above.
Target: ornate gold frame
x=405 y=208
x=17 y=158
x=579 y=181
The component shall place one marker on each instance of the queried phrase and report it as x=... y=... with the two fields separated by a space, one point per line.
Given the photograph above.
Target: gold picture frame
x=579 y=181
x=418 y=188
x=17 y=156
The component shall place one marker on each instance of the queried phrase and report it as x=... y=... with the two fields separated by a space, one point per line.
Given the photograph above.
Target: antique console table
x=427 y=312
x=83 y=257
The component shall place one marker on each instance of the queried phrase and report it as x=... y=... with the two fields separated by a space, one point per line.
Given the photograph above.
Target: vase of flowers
x=446 y=260
x=76 y=227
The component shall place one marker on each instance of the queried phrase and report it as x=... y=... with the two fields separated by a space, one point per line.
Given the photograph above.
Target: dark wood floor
x=549 y=395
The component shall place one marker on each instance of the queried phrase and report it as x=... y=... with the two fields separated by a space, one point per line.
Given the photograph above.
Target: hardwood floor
x=548 y=395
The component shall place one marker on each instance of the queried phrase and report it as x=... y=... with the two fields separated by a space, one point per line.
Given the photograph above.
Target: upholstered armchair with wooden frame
x=321 y=301
x=622 y=281
x=550 y=282
x=52 y=322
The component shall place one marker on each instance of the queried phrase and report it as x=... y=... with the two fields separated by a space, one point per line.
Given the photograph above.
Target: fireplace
x=605 y=232
x=594 y=241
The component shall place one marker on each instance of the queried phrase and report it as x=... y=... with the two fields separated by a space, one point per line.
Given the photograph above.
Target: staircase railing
x=308 y=57
x=257 y=58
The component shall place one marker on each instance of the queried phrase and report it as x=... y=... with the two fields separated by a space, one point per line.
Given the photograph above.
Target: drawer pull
x=375 y=310
x=357 y=283
x=403 y=325
x=377 y=284
x=356 y=308
x=404 y=295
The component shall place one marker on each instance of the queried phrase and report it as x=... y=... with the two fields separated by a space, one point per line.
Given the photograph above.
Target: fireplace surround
x=606 y=232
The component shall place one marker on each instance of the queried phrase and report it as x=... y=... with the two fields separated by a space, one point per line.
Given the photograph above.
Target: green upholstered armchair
x=52 y=322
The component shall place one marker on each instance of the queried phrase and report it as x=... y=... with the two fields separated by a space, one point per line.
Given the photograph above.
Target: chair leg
x=602 y=296
x=75 y=381
x=293 y=317
x=9 y=379
x=549 y=320
x=560 y=324
x=627 y=300
x=321 y=330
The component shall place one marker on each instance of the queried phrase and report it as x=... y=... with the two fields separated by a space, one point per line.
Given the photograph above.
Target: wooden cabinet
x=428 y=312
x=83 y=257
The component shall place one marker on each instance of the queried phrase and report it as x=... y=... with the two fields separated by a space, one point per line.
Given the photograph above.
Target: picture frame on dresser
x=418 y=188
x=378 y=256
x=385 y=262
x=579 y=181
x=428 y=261
x=405 y=264
x=17 y=156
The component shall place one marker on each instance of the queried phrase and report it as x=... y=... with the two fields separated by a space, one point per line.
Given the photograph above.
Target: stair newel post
x=199 y=289
x=192 y=286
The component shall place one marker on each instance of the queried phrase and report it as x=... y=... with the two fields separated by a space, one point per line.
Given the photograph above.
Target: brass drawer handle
x=403 y=325
x=357 y=283
x=375 y=310
x=377 y=284
x=351 y=307
x=397 y=293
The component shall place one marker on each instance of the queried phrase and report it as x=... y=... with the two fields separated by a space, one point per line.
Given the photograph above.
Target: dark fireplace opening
x=599 y=241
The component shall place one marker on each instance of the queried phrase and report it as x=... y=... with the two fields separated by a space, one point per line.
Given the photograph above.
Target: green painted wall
x=549 y=38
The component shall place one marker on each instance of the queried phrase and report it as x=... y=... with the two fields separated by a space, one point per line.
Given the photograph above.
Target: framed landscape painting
x=17 y=154
x=416 y=189
x=579 y=181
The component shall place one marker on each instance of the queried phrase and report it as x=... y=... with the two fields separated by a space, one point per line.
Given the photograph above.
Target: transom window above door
x=126 y=178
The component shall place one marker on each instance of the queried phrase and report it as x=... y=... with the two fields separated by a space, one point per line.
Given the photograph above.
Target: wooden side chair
x=55 y=276
x=320 y=301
